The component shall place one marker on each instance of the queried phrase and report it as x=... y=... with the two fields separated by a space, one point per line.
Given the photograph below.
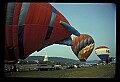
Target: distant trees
x=100 y=62
x=110 y=59
x=39 y=62
x=26 y=62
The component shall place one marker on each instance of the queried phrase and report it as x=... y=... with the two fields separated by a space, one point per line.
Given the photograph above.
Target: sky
x=96 y=19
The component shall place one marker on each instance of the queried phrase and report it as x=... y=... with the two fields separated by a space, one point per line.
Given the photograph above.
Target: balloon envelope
x=83 y=46
x=33 y=26
x=102 y=52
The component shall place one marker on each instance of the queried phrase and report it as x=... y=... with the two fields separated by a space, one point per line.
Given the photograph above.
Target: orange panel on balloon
x=34 y=36
x=9 y=38
x=17 y=13
x=60 y=32
x=38 y=14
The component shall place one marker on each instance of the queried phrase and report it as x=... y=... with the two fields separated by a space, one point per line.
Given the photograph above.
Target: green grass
x=101 y=71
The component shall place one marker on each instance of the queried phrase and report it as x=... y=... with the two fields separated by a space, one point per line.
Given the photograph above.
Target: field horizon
x=100 y=71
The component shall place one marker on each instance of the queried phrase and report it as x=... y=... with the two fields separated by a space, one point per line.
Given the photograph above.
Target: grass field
x=101 y=71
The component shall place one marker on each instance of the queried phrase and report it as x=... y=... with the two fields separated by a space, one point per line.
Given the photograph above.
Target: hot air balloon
x=103 y=53
x=83 y=46
x=33 y=26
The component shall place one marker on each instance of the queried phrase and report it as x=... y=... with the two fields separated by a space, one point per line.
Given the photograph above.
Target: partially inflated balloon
x=102 y=52
x=83 y=46
x=33 y=26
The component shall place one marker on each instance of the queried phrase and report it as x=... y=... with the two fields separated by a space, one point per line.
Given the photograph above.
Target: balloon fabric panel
x=36 y=31
x=102 y=52
x=82 y=48
x=33 y=26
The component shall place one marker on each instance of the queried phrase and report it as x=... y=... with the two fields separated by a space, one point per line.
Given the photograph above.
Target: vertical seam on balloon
x=9 y=21
x=22 y=18
x=51 y=25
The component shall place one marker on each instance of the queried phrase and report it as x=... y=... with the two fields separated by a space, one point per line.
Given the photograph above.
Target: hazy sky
x=96 y=19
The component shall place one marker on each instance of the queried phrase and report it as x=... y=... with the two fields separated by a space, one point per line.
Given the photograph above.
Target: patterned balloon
x=83 y=46
x=102 y=52
x=32 y=26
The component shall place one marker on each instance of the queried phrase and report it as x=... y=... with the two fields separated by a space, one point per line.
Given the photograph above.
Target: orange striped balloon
x=83 y=46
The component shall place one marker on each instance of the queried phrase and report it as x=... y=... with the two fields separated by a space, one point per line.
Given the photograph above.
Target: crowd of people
x=13 y=68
